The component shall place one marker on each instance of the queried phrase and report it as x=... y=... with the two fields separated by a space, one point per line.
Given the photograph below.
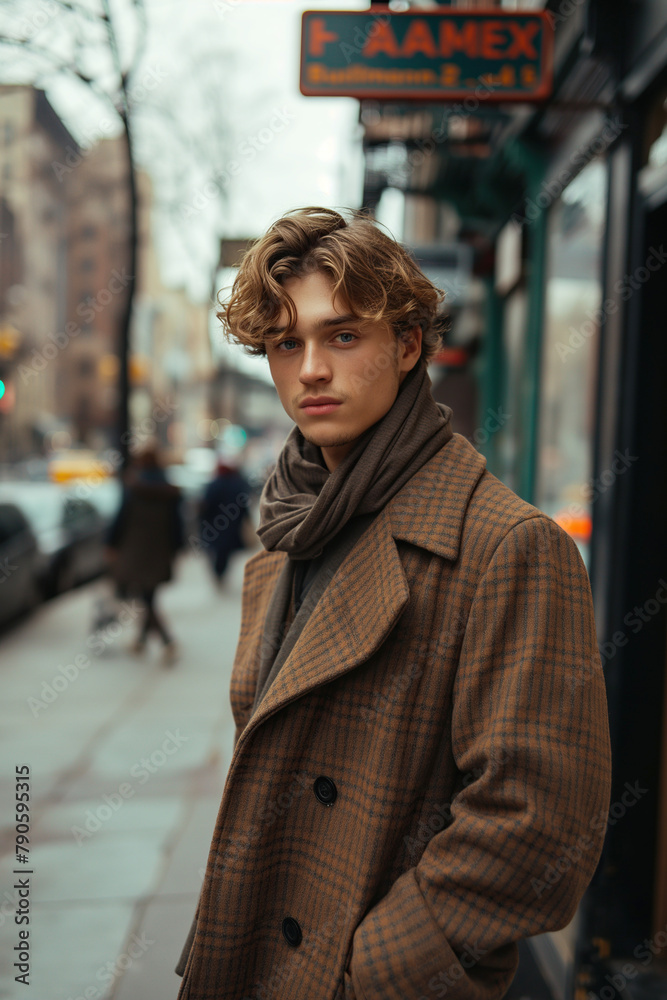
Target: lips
x=314 y=409
x=313 y=401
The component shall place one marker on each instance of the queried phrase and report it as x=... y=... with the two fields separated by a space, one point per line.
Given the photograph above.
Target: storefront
x=566 y=207
x=576 y=334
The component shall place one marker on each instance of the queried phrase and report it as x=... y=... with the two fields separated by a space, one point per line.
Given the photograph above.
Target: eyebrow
x=320 y=324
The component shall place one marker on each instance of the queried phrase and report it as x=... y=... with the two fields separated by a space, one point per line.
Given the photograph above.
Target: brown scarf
x=303 y=505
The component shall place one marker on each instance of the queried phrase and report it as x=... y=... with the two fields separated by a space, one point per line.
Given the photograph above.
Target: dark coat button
x=325 y=790
x=292 y=931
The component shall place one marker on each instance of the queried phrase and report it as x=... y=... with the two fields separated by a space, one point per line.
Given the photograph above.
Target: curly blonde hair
x=374 y=273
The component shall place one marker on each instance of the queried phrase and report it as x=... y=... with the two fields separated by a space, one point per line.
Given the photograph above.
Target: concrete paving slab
x=143 y=867
x=73 y=948
x=184 y=871
x=101 y=866
x=131 y=815
x=151 y=746
x=152 y=977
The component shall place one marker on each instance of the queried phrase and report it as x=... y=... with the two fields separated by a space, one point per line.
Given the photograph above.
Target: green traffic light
x=2 y=388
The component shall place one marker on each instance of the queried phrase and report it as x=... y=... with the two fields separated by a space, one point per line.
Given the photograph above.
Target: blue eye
x=347 y=334
x=287 y=341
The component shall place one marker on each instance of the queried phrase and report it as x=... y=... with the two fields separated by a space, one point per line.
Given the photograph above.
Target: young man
x=421 y=770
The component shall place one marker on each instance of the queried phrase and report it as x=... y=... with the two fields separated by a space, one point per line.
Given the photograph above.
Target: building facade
x=34 y=249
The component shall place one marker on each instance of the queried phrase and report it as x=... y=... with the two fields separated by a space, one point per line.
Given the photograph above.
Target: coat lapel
x=352 y=619
x=368 y=593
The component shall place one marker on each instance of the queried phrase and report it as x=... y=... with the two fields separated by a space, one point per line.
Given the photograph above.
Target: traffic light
x=7 y=393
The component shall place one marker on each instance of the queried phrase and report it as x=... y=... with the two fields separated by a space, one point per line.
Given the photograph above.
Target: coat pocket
x=348 y=991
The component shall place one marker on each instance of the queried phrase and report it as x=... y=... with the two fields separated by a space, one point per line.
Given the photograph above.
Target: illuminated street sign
x=434 y=55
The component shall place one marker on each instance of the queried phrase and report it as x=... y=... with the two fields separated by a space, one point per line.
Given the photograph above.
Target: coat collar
x=369 y=592
x=430 y=509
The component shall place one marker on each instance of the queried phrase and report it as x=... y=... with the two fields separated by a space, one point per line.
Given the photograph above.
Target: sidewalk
x=128 y=760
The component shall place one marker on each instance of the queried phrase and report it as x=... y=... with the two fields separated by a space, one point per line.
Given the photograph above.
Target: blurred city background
x=144 y=144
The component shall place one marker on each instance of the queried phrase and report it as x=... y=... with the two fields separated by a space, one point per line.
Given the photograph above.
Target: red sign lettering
x=523 y=41
x=319 y=36
x=418 y=38
x=452 y=40
x=383 y=39
x=493 y=39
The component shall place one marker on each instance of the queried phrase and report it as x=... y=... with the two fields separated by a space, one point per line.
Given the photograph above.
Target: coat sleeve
x=530 y=738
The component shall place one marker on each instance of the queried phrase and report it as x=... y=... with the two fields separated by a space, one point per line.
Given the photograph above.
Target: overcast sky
x=290 y=150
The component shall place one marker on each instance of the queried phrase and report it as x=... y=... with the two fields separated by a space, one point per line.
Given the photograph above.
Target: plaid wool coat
x=427 y=779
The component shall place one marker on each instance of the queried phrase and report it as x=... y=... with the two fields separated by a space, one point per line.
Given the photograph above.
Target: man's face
x=329 y=355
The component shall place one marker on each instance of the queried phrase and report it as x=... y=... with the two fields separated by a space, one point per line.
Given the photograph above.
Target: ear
x=411 y=345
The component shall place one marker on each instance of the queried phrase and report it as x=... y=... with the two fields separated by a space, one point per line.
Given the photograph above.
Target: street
x=127 y=762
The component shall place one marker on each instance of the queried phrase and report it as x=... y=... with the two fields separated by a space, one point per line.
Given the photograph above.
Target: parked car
x=69 y=532
x=20 y=564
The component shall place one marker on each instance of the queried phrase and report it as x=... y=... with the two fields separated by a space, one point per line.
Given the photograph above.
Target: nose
x=314 y=364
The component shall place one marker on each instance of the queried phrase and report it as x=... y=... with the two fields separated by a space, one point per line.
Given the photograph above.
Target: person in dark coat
x=222 y=513
x=143 y=541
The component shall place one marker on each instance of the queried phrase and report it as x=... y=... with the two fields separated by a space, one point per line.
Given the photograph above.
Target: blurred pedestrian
x=224 y=515
x=143 y=541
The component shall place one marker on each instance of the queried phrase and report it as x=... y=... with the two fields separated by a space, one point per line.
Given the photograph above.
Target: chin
x=324 y=440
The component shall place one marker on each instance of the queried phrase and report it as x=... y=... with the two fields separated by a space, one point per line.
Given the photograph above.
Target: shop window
x=567 y=390
x=654 y=152
x=511 y=443
x=523 y=4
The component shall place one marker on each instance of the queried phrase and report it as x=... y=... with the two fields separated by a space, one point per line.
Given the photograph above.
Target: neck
x=332 y=457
